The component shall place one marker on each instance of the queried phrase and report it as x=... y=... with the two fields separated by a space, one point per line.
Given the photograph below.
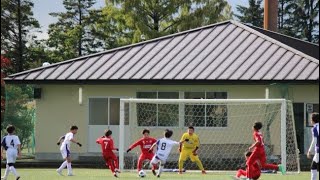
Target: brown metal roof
x=228 y=51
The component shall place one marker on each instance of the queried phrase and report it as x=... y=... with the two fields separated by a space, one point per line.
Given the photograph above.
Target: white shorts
x=316 y=158
x=11 y=155
x=65 y=152
x=156 y=160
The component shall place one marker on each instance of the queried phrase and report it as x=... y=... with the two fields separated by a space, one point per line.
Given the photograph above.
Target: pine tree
x=253 y=14
x=154 y=18
x=16 y=24
x=70 y=36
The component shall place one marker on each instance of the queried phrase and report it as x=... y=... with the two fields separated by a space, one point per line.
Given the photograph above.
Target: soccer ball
x=142 y=174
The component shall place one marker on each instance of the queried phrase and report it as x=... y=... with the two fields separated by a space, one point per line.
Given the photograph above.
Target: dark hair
x=168 y=133
x=146 y=131
x=107 y=132
x=191 y=127
x=10 y=129
x=257 y=125
x=73 y=128
x=315 y=117
x=248 y=154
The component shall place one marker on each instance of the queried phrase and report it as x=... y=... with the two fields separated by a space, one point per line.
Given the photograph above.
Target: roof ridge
x=122 y=47
x=274 y=41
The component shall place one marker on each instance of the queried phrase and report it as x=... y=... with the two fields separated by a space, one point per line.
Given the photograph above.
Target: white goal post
x=223 y=125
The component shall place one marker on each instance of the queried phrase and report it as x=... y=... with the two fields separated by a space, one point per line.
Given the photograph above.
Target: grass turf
x=95 y=174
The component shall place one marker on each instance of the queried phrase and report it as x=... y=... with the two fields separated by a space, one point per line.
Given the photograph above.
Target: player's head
x=248 y=154
x=107 y=132
x=190 y=130
x=168 y=133
x=257 y=126
x=146 y=132
x=74 y=129
x=10 y=129
x=314 y=118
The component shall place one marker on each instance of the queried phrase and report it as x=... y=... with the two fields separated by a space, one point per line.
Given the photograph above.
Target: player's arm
x=153 y=146
x=75 y=141
x=197 y=145
x=256 y=143
x=18 y=145
x=183 y=138
x=134 y=145
x=313 y=143
x=112 y=146
x=60 y=139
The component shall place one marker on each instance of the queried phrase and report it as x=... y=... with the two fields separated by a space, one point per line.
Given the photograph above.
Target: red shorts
x=109 y=155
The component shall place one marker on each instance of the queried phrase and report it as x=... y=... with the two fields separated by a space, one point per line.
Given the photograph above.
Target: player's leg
x=115 y=162
x=240 y=173
x=264 y=165
x=11 y=160
x=161 y=166
x=65 y=162
x=195 y=158
x=184 y=154
x=69 y=166
x=315 y=167
x=140 y=161
x=149 y=157
x=6 y=172
x=154 y=162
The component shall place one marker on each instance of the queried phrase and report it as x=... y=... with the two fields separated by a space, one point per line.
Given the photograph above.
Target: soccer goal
x=224 y=127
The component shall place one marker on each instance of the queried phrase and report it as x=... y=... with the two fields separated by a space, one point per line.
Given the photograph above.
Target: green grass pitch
x=98 y=174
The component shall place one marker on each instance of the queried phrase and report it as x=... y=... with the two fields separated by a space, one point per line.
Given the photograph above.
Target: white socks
x=314 y=174
x=6 y=172
x=160 y=169
x=63 y=165
x=69 y=168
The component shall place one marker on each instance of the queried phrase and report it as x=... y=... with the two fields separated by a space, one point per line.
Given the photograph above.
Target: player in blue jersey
x=314 y=146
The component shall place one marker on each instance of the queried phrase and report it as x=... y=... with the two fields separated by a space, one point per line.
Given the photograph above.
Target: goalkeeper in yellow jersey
x=189 y=149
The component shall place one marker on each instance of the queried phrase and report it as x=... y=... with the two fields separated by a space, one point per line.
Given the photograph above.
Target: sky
x=42 y=8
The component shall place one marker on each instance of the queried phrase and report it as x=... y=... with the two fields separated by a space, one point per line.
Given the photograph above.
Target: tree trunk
x=310 y=28
x=80 y=24
x=20 y=46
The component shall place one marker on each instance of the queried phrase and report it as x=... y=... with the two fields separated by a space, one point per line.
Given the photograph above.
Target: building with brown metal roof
x=224 y=60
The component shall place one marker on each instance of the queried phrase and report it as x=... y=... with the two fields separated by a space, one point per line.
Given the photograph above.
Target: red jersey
x=145 y=144
x=258 y=137
x=106 y=143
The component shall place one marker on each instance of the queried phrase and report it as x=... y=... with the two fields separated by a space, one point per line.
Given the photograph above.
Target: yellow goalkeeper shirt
x=193 y=141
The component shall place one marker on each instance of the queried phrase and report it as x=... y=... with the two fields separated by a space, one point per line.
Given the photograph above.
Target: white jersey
x=66 y=142
x=10 y=142
x=164 y=147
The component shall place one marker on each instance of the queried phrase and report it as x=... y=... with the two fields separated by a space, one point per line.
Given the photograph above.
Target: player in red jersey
x=107 y=147
x=259 y=154
x=145 y=143
x=256 y=170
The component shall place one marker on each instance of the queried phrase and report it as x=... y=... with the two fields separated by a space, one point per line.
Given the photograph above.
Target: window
x=106 y=111
x=158 y=114
x=203 y=115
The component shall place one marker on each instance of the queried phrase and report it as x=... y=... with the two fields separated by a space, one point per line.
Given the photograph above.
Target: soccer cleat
x=4 y=178
x=18 y=178
x=70 y=174
x=281 y=169
x=180 y=172
x=59 y=172
x=115 y=175
x=158 y=176
x=154 y=172
x=117 y=171
x=203 y=172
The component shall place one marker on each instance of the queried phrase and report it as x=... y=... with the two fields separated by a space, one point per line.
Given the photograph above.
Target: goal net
x=224 y=127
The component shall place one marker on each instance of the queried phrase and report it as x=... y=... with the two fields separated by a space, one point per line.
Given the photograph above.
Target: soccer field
x=98 y=174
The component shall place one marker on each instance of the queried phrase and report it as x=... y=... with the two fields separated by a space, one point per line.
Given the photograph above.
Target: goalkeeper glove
x=79 y=144
x=128 y=150
x=187 y=140
x=117 y=149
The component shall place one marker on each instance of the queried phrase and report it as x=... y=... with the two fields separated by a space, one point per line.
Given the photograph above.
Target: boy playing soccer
x=12 y=145
x=107 y=147
x=315 y=143
x=256 y=170
x=259 y=154
x=189 y=149
x=65 y=150
x=164 y=146
x=145 y=144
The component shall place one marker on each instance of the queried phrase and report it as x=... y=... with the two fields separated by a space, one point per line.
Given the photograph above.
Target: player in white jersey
x=164 y=146
x=11 y=144
x=65 y=149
